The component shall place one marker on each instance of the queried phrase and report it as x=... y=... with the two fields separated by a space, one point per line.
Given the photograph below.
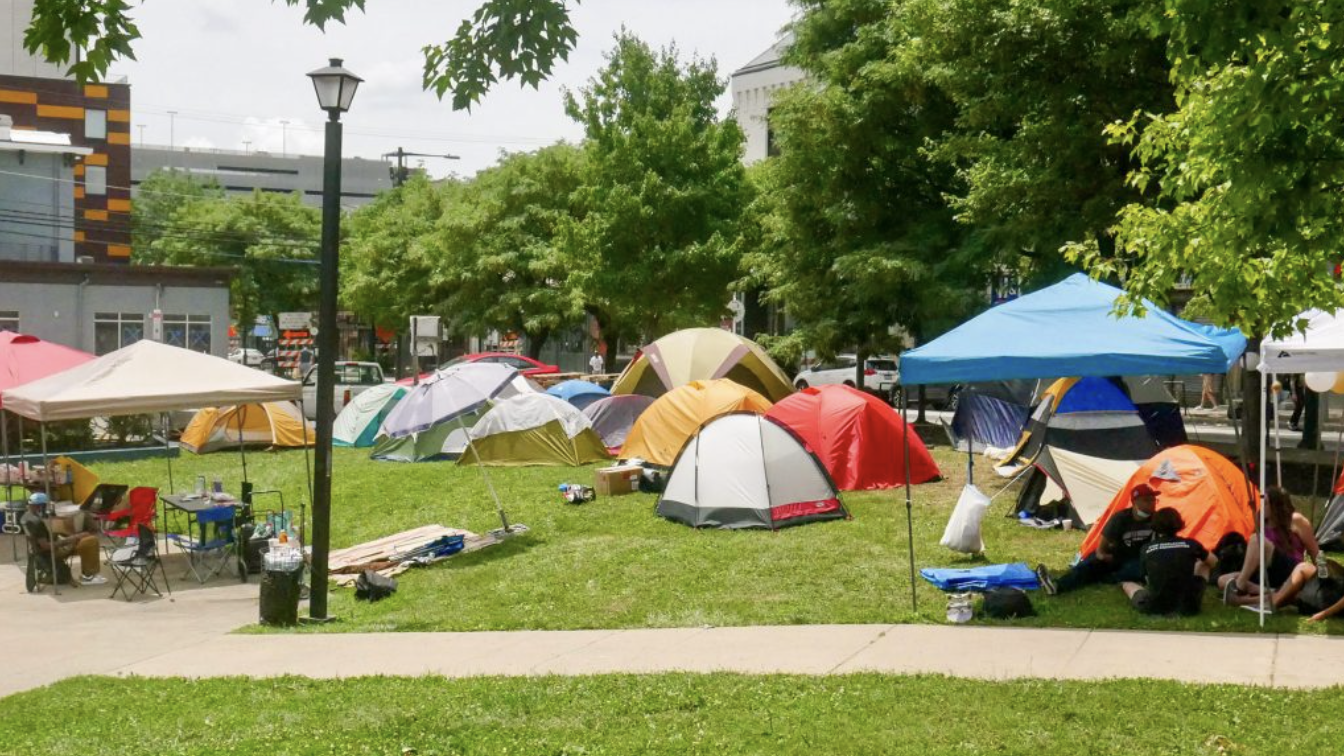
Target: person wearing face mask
x=1116 y=559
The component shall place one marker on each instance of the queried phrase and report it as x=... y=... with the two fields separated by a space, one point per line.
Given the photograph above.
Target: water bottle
x=1322 y=566
x=200 y=486
x=218 y=485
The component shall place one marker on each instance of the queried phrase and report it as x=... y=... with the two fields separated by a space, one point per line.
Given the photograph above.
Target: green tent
x=443 y=441
x=534 y=429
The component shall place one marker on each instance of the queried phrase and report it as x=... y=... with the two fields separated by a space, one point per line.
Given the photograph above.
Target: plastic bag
x=963 y=527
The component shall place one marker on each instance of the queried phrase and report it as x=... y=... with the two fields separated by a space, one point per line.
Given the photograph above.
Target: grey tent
x=614 y=416
x=745 y=470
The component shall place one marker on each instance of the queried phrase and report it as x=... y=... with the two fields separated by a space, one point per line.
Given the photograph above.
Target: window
x=95 y=179
x=9 y=320
x=187 y=331
x=771 y=146
x=112 y=331
x=358 y=375
x=95 y=124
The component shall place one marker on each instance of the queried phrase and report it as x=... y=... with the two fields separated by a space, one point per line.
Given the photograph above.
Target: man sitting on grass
x=1116 y=559
x=1175 y=570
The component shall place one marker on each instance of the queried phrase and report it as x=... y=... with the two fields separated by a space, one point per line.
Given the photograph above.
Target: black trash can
x=280 y=597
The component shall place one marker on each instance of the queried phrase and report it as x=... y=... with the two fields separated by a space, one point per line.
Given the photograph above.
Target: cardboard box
x=616 y=481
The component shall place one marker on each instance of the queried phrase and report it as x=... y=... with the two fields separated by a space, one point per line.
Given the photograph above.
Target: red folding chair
x=142 y=508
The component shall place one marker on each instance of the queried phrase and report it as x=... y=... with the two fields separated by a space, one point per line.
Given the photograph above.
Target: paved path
x=82 y=632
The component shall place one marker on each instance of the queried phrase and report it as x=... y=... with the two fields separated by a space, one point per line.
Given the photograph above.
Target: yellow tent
x=674 y=418
x=276 y=424
x=702 y=354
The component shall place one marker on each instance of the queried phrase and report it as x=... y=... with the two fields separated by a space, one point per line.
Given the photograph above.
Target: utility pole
x=399 y=175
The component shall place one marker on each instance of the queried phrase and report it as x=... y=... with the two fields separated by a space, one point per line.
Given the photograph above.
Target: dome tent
x=578 y=392
x=670 y=421
x=358 y=423
x=533 y=429
x=702 y=354
x=274 y=424
x=614 y=416
x=745 y=470
x=859 y=439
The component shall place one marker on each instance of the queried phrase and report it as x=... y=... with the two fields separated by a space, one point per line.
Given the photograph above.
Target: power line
x=181 y=232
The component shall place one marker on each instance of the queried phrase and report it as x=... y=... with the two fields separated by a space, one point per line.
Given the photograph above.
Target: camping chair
x=134 y=565
x=105 y=504
x=38 y=570
x=208 y=552
x=141 y=509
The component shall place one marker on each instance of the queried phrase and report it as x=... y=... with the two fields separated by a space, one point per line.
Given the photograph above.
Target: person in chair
x=83 y=544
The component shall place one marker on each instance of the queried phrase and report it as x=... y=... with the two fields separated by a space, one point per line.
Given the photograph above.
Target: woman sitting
x=1288 y=539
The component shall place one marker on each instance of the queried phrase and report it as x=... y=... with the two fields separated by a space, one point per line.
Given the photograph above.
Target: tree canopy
x=508 y=39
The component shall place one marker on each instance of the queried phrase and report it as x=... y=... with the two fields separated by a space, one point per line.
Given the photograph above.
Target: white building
x=37 y=198
x=755 y=87
x=239 y=173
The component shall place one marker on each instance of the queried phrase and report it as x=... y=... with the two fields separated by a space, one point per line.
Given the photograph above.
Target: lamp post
x=335 y=88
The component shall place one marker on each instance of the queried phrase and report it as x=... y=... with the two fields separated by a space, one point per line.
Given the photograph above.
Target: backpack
x=370 y=586
x=1007 y=603
x=1231 y=553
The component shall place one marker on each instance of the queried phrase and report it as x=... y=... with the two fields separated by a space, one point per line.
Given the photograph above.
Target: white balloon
x=1321 y=382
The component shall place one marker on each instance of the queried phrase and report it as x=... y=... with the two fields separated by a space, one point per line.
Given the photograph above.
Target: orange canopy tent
x=859 y=439
x=1212 y=495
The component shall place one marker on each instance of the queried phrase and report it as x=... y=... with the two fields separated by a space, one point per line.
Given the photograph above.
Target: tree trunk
x=860 y=362
x=535 y=341
x=1311 y=420
x=919 y=417
x=613 y=343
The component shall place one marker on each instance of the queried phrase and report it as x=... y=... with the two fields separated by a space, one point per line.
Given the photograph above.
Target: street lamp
x=335 y=88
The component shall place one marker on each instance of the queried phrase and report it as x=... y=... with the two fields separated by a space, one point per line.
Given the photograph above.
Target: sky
x=234 y=72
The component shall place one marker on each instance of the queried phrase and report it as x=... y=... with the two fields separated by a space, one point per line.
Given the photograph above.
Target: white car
x=880 y=374
x=352 y=379
x=249 y=357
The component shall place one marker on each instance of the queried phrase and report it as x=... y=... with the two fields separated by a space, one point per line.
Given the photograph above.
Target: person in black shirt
x=1116 y=559
x=1175 y=570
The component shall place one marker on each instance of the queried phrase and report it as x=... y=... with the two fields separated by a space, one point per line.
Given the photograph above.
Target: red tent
x=26 y=358
x=857 y=436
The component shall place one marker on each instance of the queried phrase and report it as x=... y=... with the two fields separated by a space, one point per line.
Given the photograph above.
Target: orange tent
x=1212 y=495
x=674 y=418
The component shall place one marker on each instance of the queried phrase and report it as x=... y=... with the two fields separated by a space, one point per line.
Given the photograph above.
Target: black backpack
x=370 y=586
x=1007 y=603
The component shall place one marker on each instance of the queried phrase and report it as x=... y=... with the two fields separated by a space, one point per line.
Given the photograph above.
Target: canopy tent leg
x=51 y=506
x=1264 y=434
x=499 y=507
x=9 y=479
x=242 y=451
x=970 y=439
x=167 y=448
x=307 y=471
x=1278 y=446
x=909 y=506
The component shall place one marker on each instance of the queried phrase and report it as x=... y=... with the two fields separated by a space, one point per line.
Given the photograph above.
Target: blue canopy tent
x=1069 y=329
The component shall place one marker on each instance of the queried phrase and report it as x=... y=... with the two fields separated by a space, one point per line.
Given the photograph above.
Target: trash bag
x=1007 y=603
x=370 y=586
x=963 y=527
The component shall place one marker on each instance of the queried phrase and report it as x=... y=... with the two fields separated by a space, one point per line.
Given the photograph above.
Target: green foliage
x=270 y=240
x=662 y=191
x=390 y=255
x=157 y=200
x=670 y=713
x=505 y=265
x=125 y=428
x=1247 y=168
x=509 y=39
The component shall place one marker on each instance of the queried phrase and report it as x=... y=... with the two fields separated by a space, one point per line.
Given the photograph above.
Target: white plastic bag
x=963 y=528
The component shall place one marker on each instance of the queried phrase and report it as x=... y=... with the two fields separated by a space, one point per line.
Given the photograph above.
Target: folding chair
x=134 y=565
x=141 y=509
x=38 y=570
x=208 y=552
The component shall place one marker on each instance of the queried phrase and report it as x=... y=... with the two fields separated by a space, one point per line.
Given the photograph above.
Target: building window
x=95 y=124
x=187 y=331
x=112 y=331
x=95 y=179
x=9 y=320
x=771 y=146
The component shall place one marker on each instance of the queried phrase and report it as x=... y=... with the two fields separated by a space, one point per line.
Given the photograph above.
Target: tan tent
x=702 y=354
x=275 y=424
x=674 y=418
x=143 y=378
x=533 y=429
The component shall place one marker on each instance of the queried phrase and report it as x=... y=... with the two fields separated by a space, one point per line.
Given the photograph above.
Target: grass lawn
x=671 y=714
x=614 y=564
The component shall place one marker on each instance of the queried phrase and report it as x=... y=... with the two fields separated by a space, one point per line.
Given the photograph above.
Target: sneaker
x=1268 y=610
x=1229 y=592
x=1047 y=581
x=92 y=580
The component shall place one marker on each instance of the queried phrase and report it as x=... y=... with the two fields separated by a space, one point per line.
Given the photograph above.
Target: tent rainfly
x=614 y=416
x=702 y=354
x=274 y=424
x=534 y=429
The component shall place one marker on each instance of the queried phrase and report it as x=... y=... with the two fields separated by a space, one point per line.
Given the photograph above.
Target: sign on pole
x=296 y=321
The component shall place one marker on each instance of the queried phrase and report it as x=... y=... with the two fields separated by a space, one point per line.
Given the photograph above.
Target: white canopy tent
x=144 y=378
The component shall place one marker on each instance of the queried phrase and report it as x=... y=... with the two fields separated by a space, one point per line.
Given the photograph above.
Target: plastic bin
x=280 y=597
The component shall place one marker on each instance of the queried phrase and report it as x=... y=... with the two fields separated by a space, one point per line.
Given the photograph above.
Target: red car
x=525 y=365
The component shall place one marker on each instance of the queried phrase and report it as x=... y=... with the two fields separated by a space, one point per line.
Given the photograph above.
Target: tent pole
x=1264 y=586
x=1278 y=447
x=51 y=537
x=167 y=448
x=970 y=438
x=307 y=471
x=909 y=508
x=242 y=451
x=498 y=506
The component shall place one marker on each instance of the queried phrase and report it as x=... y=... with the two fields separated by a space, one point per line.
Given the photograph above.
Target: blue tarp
x=1015 y=575
x=1069 y=330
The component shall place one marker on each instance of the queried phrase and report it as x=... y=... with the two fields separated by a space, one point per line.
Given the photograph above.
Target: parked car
x=249 y=357
x=526 y=365
x=352 y=379
x=880 y=374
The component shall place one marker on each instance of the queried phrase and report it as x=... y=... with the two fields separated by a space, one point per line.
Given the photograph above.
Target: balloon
x=1338 y=388
x=1321 y=382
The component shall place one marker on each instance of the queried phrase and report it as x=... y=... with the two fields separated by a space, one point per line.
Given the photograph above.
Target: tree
x=270 y=240
x=389 y=255
x=512 y=39
x=854 y=234
x=663 y=188
x=157 y=200
x=505 y=263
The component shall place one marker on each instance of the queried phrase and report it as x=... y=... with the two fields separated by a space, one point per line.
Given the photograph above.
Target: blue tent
x=1069 y=330
x=578 y=392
